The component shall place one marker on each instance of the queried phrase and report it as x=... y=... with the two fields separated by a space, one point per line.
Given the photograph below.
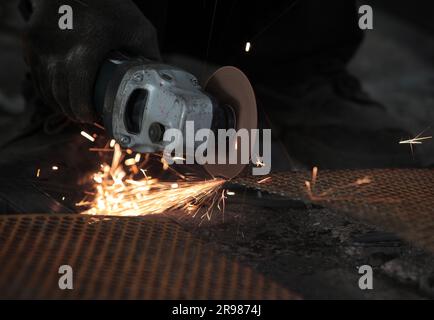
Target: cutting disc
x=231 y=86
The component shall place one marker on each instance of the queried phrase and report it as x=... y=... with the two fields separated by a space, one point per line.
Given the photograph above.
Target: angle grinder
x=139 y=100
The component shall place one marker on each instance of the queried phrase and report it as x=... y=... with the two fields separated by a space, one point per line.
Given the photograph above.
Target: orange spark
x=264 y=180
x=314 y=176
x=329 y=194
x=119 y=194
x=165 y=164
x=98 y=126
x=100 y=150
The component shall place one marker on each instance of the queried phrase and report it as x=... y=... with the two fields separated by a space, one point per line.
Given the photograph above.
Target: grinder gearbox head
x=139 y=100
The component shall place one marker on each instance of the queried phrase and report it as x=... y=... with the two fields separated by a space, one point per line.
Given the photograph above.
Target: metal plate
x=398 y=200
x=119 y=258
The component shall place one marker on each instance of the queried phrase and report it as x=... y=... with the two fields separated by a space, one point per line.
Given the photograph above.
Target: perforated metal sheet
x=401 y=201
x=119 y=258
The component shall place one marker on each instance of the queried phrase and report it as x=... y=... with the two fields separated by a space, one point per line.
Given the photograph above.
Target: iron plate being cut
x=119 y=258
x=398 y=200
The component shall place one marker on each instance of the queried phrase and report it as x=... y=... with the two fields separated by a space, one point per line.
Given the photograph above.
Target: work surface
x=307 y=246
x=254 y=253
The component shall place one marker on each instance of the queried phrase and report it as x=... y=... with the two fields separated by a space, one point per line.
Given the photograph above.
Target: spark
x=63 y=198
x=178 y=159
x=100 y=150
x=165 y=164
x=144 y=173
x=314 y=176
x=416 y=140
x=98 y=178
x=138 y=158
x=309 y=189
x=328 y=195
x=264 y=180
x=119 y=194
x=310 y=185
x=112 y=143
x=259 y=163
x=87 y=136
x=130 y=162
x=139 y=198
x=38 y=173
x=98 y=126
x=230 y=193
x=116 y=158
x=248 y=46
x=55 y=168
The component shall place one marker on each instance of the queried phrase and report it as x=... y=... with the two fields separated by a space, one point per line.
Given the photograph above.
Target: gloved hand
x=64 y=63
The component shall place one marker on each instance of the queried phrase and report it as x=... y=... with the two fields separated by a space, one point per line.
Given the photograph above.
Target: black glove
x=65 y=63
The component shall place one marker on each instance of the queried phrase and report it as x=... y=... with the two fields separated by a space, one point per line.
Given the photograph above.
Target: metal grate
x=400 y=200
x=119 y=258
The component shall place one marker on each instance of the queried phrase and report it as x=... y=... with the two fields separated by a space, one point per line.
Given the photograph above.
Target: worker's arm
x=64 y=63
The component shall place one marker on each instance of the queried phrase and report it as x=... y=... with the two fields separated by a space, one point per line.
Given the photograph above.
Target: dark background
x=419 y=12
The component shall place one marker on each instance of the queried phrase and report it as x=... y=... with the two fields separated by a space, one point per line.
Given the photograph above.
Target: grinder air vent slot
x=134 y=110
